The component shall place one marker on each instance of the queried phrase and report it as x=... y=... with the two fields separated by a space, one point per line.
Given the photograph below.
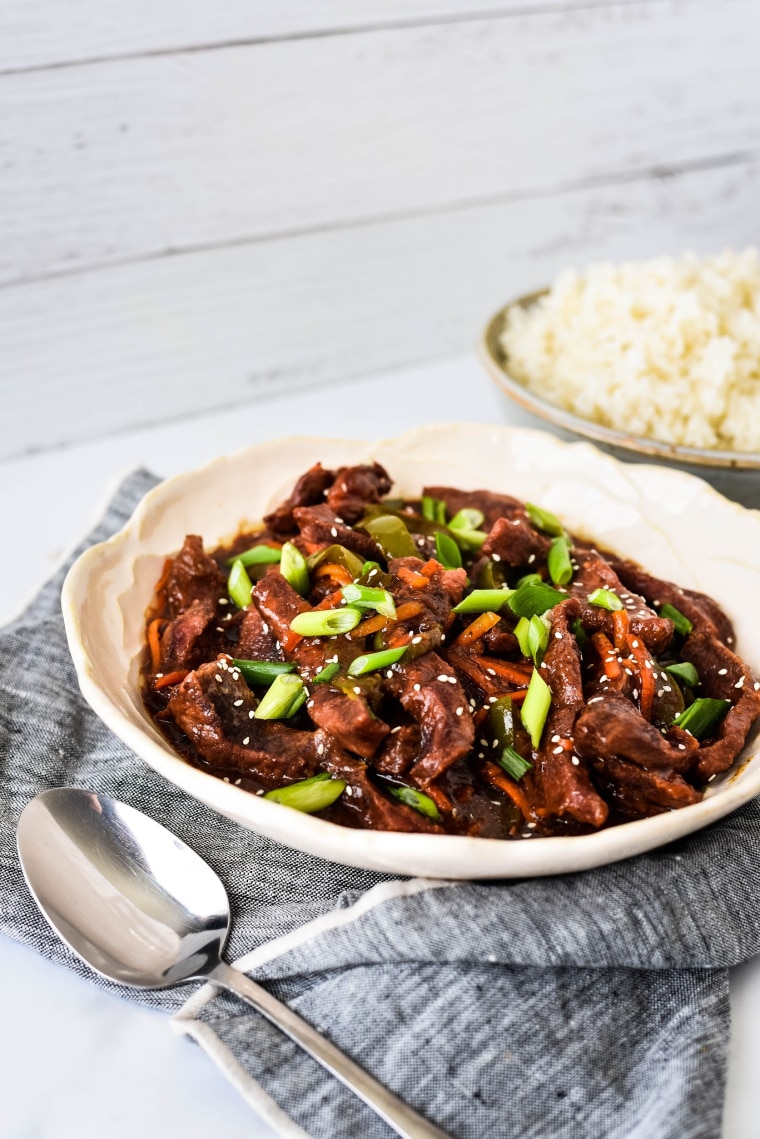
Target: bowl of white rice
x=657 y=358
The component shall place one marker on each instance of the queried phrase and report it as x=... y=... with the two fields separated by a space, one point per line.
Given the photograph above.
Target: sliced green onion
x=558 y=561
x=365 y=597
x=579 y=633
x=282 y=699
x=327 y=673
x=501 y=721
x=521 y=630
x=239 y=585
x=293 y=568
x=309 y=795
x=467 y=519
x=263 y=671
x=513 y=763
x=605 y=599
x=391 y=535
x=368 y=567
x=530 y=579
x=685 y=671
x=433 y=509
x=484 y=601
x=339 y=555
x=326 y=622
x=544 y=520
x=470 y=539
x=258 y=556
x=702 y=717
x=533 y=600
x=538 y=638
x=422 y=803
x=681 y=623
x=535 y=707
x=447 y=551
x=371 y=662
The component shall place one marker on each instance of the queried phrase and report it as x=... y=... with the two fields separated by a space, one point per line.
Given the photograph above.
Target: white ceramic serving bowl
x=674 y=524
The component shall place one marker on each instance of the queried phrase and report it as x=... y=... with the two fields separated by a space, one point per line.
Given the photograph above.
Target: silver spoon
x=143 y=909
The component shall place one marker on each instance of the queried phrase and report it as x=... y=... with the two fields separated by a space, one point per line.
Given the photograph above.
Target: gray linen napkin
x=591 y=1005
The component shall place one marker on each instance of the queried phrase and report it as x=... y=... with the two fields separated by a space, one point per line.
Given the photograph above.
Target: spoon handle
x=389 y=1107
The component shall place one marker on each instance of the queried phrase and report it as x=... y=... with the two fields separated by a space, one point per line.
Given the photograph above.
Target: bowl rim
x=458 y=856
x=495 y=360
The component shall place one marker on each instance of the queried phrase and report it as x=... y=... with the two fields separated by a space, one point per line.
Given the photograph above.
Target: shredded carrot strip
x=312 y=547
x=289 y=640
x=409 y=609
x=334 y=571
x=164 y=575
x=519 y=696
x=470 y=667
x=440 y=798
x=620 y=626
x=501 y=780
x=604 y=647
x=412 y=578
x=332 y=601
x=478 y=628
x=170 y=678
x=154 y=643
x=430 y=567
x=514 y=673
x=371 y=625
x=646 y=674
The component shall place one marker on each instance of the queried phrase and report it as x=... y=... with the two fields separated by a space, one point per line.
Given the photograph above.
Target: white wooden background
x=204 y=203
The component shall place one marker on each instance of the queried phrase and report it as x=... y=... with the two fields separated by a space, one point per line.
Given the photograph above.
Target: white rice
x=665 y=348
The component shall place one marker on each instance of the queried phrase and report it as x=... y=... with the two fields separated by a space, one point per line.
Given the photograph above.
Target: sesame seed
x=238 y=782
x=491 y=671
x=483 y=743
x=575 y=761
x=224 y=601
x=557 y=750
x=460 y=710
x=236 y=703
x=264 y=627
x=340 y=520
x=159 y=675
x=320 y=749
x=495 y=743
x=739 y=683
x=219 y=629
x=722 y=671
x=555 y=739
x=396 y=729
x=531 y=559
x=635 y=693
x=309 y=703
x=416 y=640
x=442 y=677
x=251 y=715
x=261 y=792
x=634 y=644
x=682 y=747
x=558 y=636
x=416 y=687
x=357 y=690
x=218 y=678
x=334 y=532
x=389 y=674
x=660 y=692
x=495 y=557
x=629 y=672
x=756 y=686
x=247 y=740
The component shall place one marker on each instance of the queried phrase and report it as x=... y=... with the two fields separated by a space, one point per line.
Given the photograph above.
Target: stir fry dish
x=457 y=663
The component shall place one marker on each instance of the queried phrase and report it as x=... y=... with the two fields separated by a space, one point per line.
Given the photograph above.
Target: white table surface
x=74 y=1062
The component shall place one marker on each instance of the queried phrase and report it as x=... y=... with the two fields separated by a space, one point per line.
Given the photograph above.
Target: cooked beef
x=189 y=639
x=723 y=676
x=320 y=526
x=257 y=640
x=440 y=710
x=347 y=718
x=516 y=543
x=278 y=603
x=704 y=613
x=400 y=750
x=594 y=572
x=632 y=783
x=355 y=488
x=611 y=726
x=491 y=506
x=499 y=641
x=308 y=491
x=444 y=590
x=193 y=577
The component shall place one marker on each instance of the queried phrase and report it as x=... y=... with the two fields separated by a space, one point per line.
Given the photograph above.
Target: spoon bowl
x=143 y=909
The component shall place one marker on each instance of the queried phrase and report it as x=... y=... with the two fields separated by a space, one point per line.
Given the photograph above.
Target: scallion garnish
x=371 y=662
x=513 y=763
x=309 y=795
x=328 y=672
x=684 y=671
x=239 y=585
x=365 y=597
x=263 y=671
x=681 y=623
x=558 y=561
x=605 y=599
x=484 y=601
x=521 y=630
x=532 y=600
x=579 y=633
x=467 y=519
x=447 y=551
x=258 y=556
x=433 y=509
x=367 y=568
x=282 y=699
x=538 y=638
x=293 y=568
x=326 y=622
x=422 y=803
x=530 y=579
x=702 y=717
x=535 y=707
x=544 y=520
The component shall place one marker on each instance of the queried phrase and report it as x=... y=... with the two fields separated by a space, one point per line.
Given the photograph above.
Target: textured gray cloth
x=588 y=1005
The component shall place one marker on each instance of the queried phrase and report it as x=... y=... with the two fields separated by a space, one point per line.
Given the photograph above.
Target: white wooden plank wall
x=203 y=204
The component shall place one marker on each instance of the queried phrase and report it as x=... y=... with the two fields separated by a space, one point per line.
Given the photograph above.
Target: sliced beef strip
x=194 y=577
x=491 y=505
x=499 y=641
x=308 y=491
x=595 y=572
x=189 y=639
x=611 y=726
x=562 y=782
x=372 y=807
x=445 y=589
x=516 y=543
x=319 y=526
x=663 y=789
x=439 y=708
x=400 y=750
x=710 y=657
x=355 y=488
x=257 y=640
x=278 y=603
x=347 y=718
x=705 y=614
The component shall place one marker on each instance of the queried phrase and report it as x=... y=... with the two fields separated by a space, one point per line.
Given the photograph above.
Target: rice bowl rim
x=495 y=359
